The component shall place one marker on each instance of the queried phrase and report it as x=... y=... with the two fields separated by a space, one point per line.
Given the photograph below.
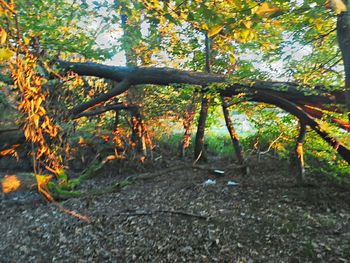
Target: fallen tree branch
x=297 y=111
x=318 y=113
x=156 y=76
x=120 y=88
x=299 y=94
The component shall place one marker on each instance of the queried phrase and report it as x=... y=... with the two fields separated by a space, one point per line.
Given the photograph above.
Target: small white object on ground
x=209 y=182
x=219 y=172
x=232 y=183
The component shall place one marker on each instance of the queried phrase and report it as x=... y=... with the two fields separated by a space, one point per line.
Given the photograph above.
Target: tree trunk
x=343 y=35
x=233 y=134
x=199 y=149
x=187 y=123
x=299 y=151
x=116 y=119
x=138 y=140
x=136 y=95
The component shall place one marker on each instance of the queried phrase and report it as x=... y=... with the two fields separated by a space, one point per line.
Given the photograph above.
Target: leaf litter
x=173 y=218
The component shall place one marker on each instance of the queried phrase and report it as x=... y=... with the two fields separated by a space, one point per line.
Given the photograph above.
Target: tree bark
x=299 y=94
x=318 y=113
x=142 y=75
x=187 y=123
x=118 y=89
x=343 y=36
x=199 y=149
x=233 y=134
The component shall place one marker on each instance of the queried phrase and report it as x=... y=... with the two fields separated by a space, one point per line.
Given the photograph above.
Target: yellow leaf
x=26 y=40
x=232 y=59
x=65 y=29
x=81 y=140
x=205 y=27
x=110 y=158
x=5 y=54
x=265 y=10
x=318 y=24
x=42 y=181
x=245 y=34
x=38 y=103
x=236 y=3
x=10 y=183
x=36 y=120
x=215 y=30
x=3 y=36
x=9 y=150
x=247 y=23
x=338 y=6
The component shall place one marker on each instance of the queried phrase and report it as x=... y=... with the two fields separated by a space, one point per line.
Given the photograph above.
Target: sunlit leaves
x=5 y=54
x=37 y=123
x=3 y=36
x=215 y=30
x=10 y=183
x=42 y=184
x=60 y=26
x=11 y=150
x=265 y=10
x=338 y=6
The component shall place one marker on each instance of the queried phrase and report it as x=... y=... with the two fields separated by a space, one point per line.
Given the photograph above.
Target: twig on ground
x=160 y=211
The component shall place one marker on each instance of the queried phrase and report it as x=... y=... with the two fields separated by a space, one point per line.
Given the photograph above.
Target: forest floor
x=174 y=217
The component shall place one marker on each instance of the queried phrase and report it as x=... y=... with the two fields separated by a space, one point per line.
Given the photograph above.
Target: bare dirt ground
x=174 y=218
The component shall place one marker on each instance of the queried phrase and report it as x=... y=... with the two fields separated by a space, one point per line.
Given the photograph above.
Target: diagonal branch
x=120 y=88
x=318 y=113
x=304 y=117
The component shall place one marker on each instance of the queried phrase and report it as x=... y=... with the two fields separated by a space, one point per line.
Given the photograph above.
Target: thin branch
x=161 y=211
x=120 y=88
x=272 y=143
x=8 y=7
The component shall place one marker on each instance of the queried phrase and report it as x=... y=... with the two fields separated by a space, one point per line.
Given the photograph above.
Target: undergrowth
x=320 y=158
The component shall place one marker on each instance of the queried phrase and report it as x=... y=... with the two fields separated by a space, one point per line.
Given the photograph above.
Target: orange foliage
x=36 y=121
x=10 y=183
x=10 y=151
